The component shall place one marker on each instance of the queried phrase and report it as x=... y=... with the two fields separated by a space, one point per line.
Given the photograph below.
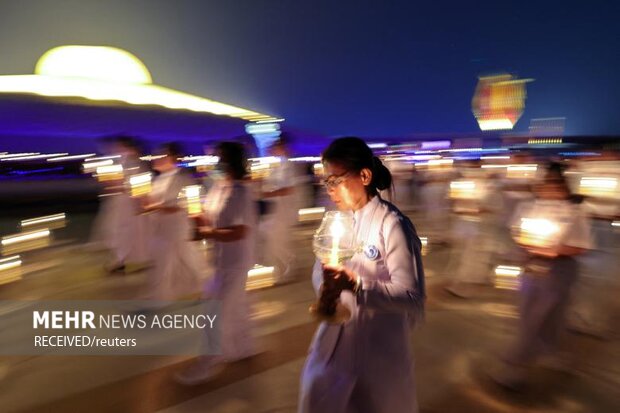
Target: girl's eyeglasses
x=333 y=181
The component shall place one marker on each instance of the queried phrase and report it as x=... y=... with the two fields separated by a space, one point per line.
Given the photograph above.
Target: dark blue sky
x=349 y=67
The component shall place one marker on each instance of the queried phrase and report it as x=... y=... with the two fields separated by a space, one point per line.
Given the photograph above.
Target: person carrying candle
x=118 y=227
x=282 y=194
x=553 y=231
x=366 y=363
x=230 y=220
x=177 y=264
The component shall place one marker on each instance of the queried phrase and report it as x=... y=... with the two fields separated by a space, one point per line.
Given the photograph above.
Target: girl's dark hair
x=233 y=155
x=354 y=155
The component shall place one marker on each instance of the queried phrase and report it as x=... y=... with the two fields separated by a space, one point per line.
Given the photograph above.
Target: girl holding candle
x=230 y=220
x=366 y=363
x=553 y=231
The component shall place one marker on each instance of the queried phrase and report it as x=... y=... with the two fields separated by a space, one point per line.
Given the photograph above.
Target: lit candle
x=192 y=196
x=109 y=173
x=337 y=231
x=140 y=184
x=463 y=190
x=538 y=232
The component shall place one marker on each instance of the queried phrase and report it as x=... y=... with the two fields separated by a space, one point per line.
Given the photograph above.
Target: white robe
x=282 y=216
x=231 y=204
x=119 y=228
x=177 y=263
x=366 y=364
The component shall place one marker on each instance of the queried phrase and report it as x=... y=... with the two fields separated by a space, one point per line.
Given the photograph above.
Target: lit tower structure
x=499 y=101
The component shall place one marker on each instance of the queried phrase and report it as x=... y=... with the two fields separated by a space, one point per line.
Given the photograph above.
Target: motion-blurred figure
x=434 y=196
x=177 y=264
x=230 y=220
x=599 y=181
x=118 y=227
x=280 y=190
x=469 y=195
x=554 y=231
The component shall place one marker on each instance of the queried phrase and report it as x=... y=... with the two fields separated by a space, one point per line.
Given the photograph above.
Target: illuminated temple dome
x=93 y=62
x=102 y=73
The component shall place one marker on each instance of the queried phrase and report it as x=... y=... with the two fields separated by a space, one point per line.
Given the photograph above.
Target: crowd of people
x=550 y=219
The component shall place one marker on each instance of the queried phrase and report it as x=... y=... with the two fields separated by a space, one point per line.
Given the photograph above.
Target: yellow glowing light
x=9 y=263
x=602 y=184
x=495 y=124
x=599 y=187
x=51 y=221
x=10 y=269
x=192 y=195
x=438 y=163
x=463 y=190
x=507 y=277
x=337 y=231
x=538 y=232
x=109 y=172
x=27 y=236
x=25 y=241
x=508 y=271
x=544 y=141
x=93 y=62
x=260 y=277
x=89 y=167
x=109 y=74
x=140 y=184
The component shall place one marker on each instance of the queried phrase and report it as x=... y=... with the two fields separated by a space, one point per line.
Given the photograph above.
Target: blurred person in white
x=230 y=220
x=366 y=363
x=597 y=289
x=550 y=275
x=119 y=227
x=283 y=204
x=434 y=186
x=471 y=230
x=515 y=188
x=177 y=264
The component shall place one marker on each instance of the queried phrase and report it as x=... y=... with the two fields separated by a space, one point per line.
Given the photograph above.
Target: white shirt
x=161 y=183
x=230 y=204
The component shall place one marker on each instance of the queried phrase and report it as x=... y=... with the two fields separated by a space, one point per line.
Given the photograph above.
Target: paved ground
x=455 y=350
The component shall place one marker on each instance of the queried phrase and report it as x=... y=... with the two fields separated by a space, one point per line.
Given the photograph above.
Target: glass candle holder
x=333 y=244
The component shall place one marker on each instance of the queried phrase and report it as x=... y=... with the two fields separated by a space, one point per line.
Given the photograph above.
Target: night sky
x=380 y=68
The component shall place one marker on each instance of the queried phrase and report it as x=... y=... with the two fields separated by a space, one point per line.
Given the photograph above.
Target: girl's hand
x=340 y=278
